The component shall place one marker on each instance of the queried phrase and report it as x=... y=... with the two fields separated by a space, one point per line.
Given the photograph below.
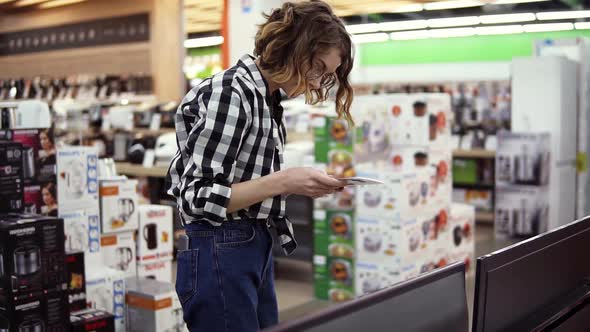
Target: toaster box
x=118 y=205
x=77 y=179
x=150 y=306
x=377 y=241
x=118 y=252
x=371 y=124
x=105 y=290
x=462 y=226
x=521 y=211
x=154 y=235
x=37 y=312
x=39 y=153
x=32 y=254
x=333 y=278
x=523 y=159
x=76 y=280
x=161 y=270
x=334 y=233
x=11 y=179
x=371 y=277
x=82 y=233
x=92 y=320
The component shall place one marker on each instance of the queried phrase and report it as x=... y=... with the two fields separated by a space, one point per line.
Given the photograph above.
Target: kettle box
x=76 y=280
x=118 y=252
x=38 y=312
x=105 y=290
x=77 y=178
x=154 y=236
x=82 y=229
x=118 y=205
x=32 y=254
x=161 y=271
x=11 y=179
x=92 y=320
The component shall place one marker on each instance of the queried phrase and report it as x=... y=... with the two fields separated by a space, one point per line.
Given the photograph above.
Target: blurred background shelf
x=484 y=217
x=137 y=170
x=478 y=153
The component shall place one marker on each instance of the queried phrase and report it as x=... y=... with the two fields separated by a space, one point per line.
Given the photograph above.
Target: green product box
x=331 y=134
x=465 y=171
x=333 y=278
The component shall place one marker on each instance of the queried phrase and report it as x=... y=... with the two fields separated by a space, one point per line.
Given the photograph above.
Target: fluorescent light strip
x=58 y=3
x=499 y=30
x=507 y=18
x=370 y=38
x=569 y=14
x=453 y=21
x=23 y=3
x=582 y=25
x=440 y=5
x=411 y=8
x=410 y=35
x=203 y=42
x=509 y=2
x=362 y=28
x=454 y=32
x=548 y=27
x=403 y=25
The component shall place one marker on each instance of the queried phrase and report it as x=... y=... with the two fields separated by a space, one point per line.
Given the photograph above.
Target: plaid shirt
x=229 y=129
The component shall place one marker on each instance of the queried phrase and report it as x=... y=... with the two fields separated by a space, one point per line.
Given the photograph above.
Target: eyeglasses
x=326 y=79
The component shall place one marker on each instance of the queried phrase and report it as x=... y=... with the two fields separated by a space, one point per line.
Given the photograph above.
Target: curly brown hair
x=290 y=39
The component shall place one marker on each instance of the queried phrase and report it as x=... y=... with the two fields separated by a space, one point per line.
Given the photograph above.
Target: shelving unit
x=478 y=153
x=485 y=217
x=137 y=170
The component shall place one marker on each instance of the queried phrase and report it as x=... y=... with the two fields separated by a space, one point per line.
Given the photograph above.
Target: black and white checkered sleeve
x=215 y=140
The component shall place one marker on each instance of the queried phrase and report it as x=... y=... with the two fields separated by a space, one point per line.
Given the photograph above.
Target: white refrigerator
x=544 y=99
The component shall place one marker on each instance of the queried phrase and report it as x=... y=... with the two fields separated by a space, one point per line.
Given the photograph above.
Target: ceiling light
x=5 y=1
x=362 y=28
x=370 y=38
x=203 y=42
x=569 y=14
x=582 y=25
x=408 y=35
x=58 y=3
x=548 y=27
x=507 y=18
x=499 y=30
x=439 y=5
x=453 y=21
x=410 y=8
x=455 y=32
x=403 y=25
x=509 y=2
x=23 y=3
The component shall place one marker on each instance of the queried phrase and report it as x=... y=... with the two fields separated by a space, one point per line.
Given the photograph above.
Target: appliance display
x=522 y=159
x=77 y=180
x=76 y=280
x=11 y=179
x=105 y=290
x=38 y=312
x=92 y=320
x=161 y=271
x=118 y=203
x=119 y=252
x=82 y=228
x=521 y=211
x=39 y=153
x=154 y=240
x=33 y=254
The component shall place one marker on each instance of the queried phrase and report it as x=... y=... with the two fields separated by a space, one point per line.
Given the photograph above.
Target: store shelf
x=485 y=217
x=474 y=186
x=297 y=137
x=137 y=170
x=478 y=153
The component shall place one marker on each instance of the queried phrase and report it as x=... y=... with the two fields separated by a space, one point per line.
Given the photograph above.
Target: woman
x=227 y=175
x=49 y=195
x=47 y=152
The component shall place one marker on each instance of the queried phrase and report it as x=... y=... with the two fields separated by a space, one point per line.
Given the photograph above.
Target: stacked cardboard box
x=155 y=242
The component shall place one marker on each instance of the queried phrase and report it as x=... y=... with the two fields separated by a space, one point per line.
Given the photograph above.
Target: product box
x=154 y=236
x=437 y=259
x=333 y=278
x=37 y=312
x=161 y=271
x=118 y=205
x=371 y=277
x=77 y=179
x=91 y=320
x=32 y=253
x=34 y=203
x=11 y=179
x=370 y=114
x=76 y=280
x=118 y=252
x=39 y=161
x=521 y=211
x=523 y=159
x=150 y=306
x=482 y=200
x=105 y=290
x=334 y=142
x=82 y=229
x=334 y=233
x=465 y=171
x=377 y=241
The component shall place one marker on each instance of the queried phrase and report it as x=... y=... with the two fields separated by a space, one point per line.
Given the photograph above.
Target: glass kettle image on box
x=124 y=257
x=150 y=235
x=125 y=209
x=75 y=179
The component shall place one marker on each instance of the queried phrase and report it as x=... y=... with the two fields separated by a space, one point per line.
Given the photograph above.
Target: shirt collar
x=247 y=62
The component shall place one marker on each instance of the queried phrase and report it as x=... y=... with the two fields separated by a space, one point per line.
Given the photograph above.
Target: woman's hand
x=309 y=182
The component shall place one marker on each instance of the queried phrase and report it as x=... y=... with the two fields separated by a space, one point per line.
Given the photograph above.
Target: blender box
x=371 y=277
x=151 y=306
x=161 y=271
x=407 y=158
x=82 y=229
x=333 y=278
x=92 y=320
x=76 y=280
x=105 y=290
x=377 y=240
x=154 y=235
x=118 y=252
x=523 y=159
x=37 y=312
x=521 y=211
x=334 y=233
x=77 y=180
x=32 y=255
x=118 y=205
x=11 y=177
x=39 y=153
x=371 y=122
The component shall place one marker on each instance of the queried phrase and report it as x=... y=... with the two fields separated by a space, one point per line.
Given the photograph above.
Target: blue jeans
x=225 y=279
